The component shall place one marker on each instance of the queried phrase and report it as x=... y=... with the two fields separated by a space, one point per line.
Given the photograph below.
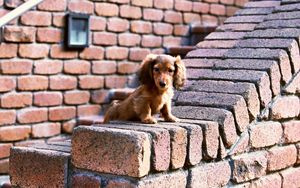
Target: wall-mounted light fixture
x=78 y=30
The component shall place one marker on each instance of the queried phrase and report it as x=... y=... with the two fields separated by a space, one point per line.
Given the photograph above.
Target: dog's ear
x=145 y=72
x=180 y=73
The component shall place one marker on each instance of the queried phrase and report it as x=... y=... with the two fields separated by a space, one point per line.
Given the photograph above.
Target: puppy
x=158 y=75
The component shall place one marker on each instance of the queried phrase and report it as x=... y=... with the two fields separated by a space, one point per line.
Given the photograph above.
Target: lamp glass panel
x=79 y=32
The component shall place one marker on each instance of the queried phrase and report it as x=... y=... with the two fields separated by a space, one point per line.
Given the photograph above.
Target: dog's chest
x=158 y=103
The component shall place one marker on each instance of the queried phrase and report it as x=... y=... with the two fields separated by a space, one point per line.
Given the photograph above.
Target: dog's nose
x=162 y=84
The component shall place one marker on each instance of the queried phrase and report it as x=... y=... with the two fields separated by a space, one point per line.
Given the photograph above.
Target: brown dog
x=158 y=75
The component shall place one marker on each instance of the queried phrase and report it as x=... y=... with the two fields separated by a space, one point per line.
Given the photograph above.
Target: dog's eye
x=155 y=69
x=170 y=70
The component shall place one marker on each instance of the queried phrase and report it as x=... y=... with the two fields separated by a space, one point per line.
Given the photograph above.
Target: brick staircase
x=197 y=34
x=240 y=120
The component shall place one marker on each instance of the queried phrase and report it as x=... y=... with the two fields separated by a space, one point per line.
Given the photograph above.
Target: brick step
x=44 y=165
x=199 y=32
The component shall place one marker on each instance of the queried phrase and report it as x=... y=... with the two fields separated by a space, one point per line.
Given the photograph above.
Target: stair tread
x=89 y=120
x=196 y=29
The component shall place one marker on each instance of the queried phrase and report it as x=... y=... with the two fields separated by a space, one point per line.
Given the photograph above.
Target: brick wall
x=240 y=118
x=45 y=87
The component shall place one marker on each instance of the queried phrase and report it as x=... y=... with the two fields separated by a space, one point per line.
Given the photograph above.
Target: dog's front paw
x=149 y=121
x=172 y=119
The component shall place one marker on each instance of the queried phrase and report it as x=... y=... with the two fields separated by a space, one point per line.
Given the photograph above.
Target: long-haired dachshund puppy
x=158 y=75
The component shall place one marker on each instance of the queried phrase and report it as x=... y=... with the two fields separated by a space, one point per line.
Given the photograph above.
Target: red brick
x=205 y=175
x=270 y=131
x=12 y=3
x=53 y=5
x=152 y=14
x=141 y=27
x=97 y=23
x=100 y=96
x=269 y=181
x=129 y=39
x=62 y=82
x=32 y=115
x=298 y=153
x=163 y=29
x=34 y=51
x=5 y=150
x=116 y=53
x=58 y=52
x=59 y=19
x=217 y=9
x=14 y=133
x=185 y=6
x=164 y=4
x=91 y=82
x=84 y=180
x=291 y=131
x=142 y=3
x=48 y=67
x=32 y=83
x=104 y=38
x=27 y=143
x=181 y=30
x=173 y=17
x=81 y=6
x=200 y=7
x=115 y=81
x=171 y=41
x=92 y=53
x=47 y=98
x=117 y=25
x=106 y=9
x=291 y=178
x=120 y=1
x=76 y=97
x=88 y=110
x=249 y=166
x=41 y=167
x=36 y=18
x=281 y=157
x=76 y=67
x=67 y=127
x=151 y=41
x=45 y=130
x=16 y=100
x=294 y=85
x=127 y=67
x=19 y=34
x=8 y=50
x=62 y=113
x=134 y=160
x=284 y=107
x=138 y=54
x=49 y=35
x=7 y=117
x=131 y=12
x=16 y=67
x=230 y=10
x=104 y=67
x=209 y=20
x=4 y=166
x=191 y=17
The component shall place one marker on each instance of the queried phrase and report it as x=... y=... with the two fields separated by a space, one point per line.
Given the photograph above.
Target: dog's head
x=163 y=70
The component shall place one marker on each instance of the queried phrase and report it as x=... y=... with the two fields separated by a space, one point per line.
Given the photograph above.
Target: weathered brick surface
x=62 y=82
x=281 y=157
x=19 y=34
x=62 y=113
x=7 y=117
x=47 y=98
x=52 y=167
x=16 y=67
x=14 y=133
x=249 y=166
x=36 y=18
x=290 y=177
x=269 y=181
x=294 y=85
x=88 y=110
x=33 y=115
x=48 y=67
x=45 y=130
x=16 y=100
x=270 y=131
x=205 y=175
x=85 y=180
x=285 y=107
x=124 y=152
x=291 y=132
x=5 y=150
x=32 y=83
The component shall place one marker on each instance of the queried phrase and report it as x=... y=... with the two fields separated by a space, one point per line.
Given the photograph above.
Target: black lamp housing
x=78 y=30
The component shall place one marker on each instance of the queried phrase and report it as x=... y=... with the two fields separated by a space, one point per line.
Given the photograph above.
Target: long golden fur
x=158 y=75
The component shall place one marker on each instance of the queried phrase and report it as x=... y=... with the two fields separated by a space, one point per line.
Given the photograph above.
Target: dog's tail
x=112 y=113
